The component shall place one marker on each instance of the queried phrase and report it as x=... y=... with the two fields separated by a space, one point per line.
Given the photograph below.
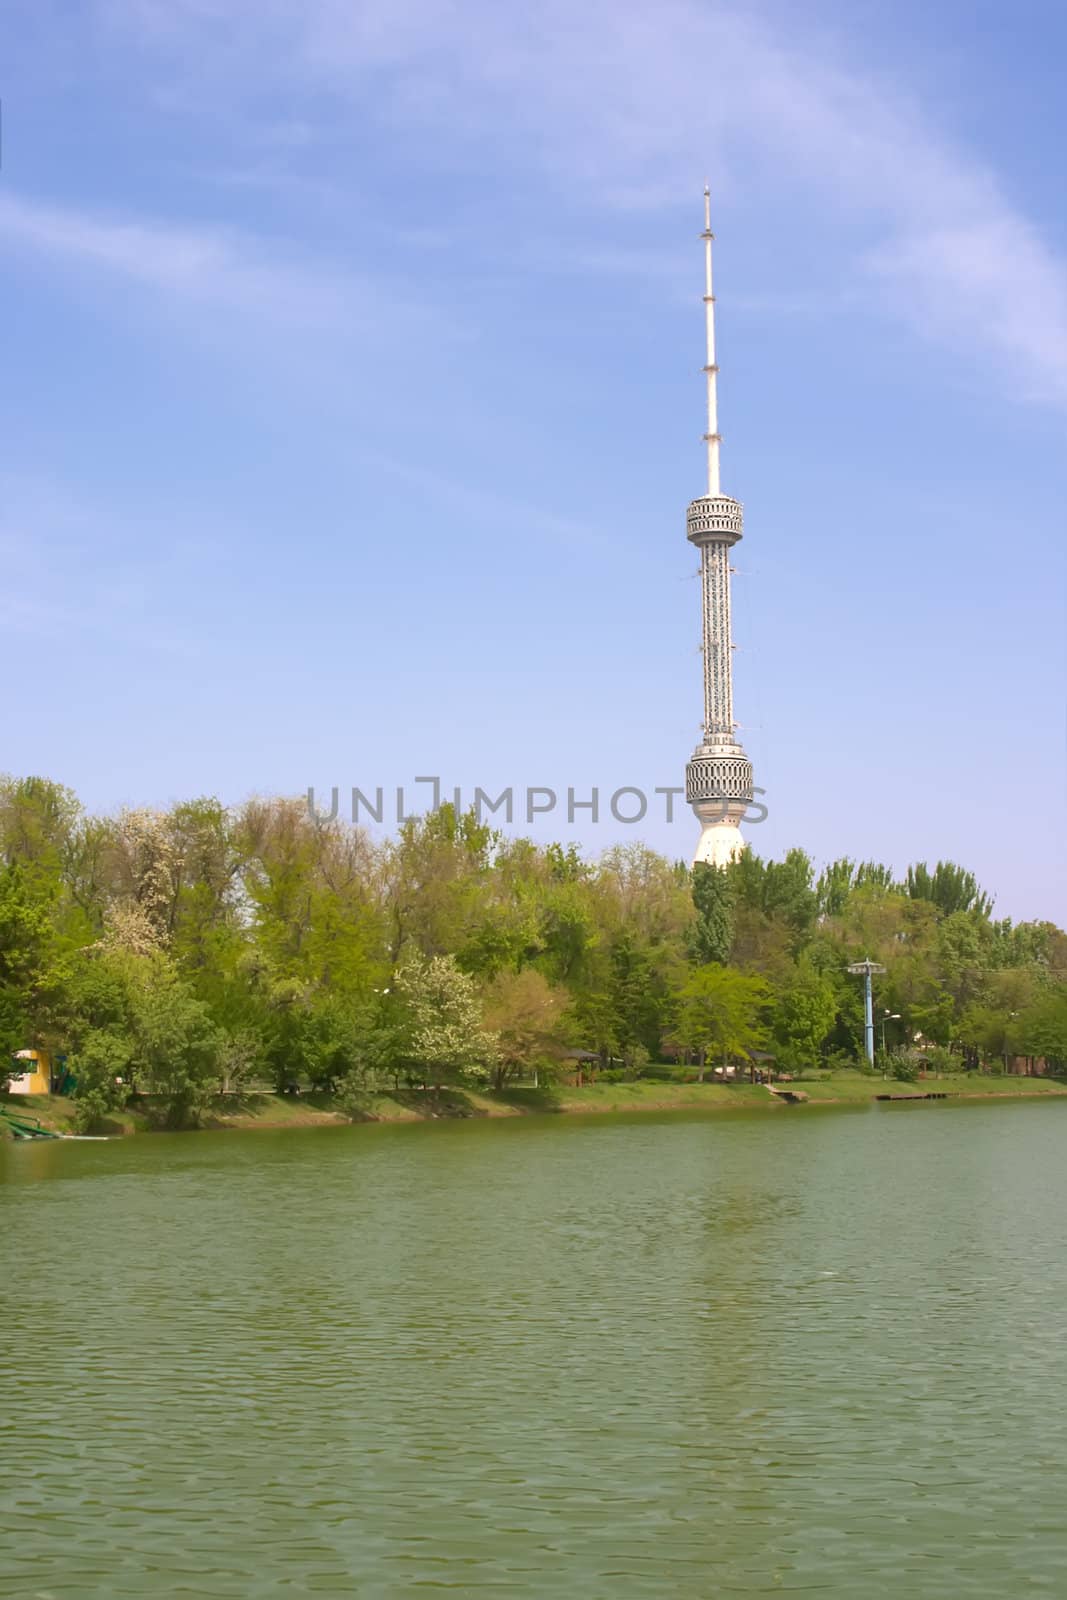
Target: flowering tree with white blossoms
x=444 y=1017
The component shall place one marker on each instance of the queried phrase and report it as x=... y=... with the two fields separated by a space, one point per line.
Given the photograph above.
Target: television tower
x=718 y=779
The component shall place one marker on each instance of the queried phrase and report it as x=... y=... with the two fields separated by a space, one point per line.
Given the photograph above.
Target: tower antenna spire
x=718 y=778
x=712 y=438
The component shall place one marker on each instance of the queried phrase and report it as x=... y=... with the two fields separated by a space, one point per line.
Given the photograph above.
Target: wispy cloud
x=992 y=284
x=195 y=265
x=629 y=102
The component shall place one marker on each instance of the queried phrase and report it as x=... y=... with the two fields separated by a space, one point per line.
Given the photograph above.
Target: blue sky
x=353 y=403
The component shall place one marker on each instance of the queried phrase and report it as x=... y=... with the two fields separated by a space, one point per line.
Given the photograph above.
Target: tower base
x=719 y=844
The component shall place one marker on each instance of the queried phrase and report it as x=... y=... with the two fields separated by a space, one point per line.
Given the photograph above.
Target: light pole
x=866 y=968
x=890 y=1016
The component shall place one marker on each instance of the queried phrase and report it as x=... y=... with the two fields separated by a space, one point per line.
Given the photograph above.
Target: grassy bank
x=843 y=1088
x=265 y=1110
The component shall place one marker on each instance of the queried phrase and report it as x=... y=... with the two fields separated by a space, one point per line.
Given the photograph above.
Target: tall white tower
x=718 y=779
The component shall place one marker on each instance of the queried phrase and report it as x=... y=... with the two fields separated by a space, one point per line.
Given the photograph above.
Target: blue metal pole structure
x=867 y=968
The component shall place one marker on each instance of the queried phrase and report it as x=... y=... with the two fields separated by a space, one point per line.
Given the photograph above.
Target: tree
x=567 y=931
x=949 y=887
x=523 y=1011
x=144 y=868
x=834 y=886
x=712 y=935
x=805 y=1009
x=638 y=989
x=962 y=945
x=306 y=1034
x=436 y=873
x=788 y=893
x=38 y=823
x=781 y=890
x=83 y=993
x=720 y=1013
x=1042 y=1028
x=644 y=895
x=591 y=1020
x=875 y=875
x=444 y=1022
x=25 y=942
x=176 y=1046
x=101 y=1072
x=985 y=1033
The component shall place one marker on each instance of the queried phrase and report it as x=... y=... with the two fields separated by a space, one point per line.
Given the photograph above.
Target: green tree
x=176 y=1045
x=1042 y=1027
x=834 y=886
x=101 y=1070
x=875 y=875
x=805 y=1009
x=721 y=1014
x=26 y=938
x=638 y=991
x=39 y=821
x=949 y=887
x=712 y=934
x=436 y=874
x=524 y=1012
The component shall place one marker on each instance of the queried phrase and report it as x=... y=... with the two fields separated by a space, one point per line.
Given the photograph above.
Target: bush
x=904 y=1066
x=90 y=1111
x=844 y=1061
x=635 y=1059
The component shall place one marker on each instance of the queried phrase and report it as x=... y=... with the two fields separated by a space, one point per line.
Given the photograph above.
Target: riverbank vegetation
x=185 y=958
x=262 y=1109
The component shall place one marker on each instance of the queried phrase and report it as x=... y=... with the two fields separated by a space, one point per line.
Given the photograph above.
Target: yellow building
x=35 y=1076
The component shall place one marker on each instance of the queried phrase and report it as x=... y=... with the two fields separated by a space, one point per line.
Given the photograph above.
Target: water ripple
x=541 y=1358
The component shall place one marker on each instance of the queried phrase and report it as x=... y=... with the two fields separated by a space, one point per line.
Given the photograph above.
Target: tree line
x=185 y=953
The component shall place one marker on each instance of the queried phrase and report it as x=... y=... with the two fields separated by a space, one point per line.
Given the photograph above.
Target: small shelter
x=578 y=1062
x=762 y=1067
x=31 y=1073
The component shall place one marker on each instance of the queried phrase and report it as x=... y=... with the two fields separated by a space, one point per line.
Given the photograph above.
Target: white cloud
x=199 y=265
x=630 y=102
x=992 y=284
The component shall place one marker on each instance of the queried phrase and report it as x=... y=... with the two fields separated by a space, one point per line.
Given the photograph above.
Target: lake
x=812 y=1351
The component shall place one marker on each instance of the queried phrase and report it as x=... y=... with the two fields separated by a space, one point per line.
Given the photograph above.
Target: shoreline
x=265 y=1110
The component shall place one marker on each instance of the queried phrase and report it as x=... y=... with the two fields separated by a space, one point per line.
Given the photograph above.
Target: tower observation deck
x=718 y=778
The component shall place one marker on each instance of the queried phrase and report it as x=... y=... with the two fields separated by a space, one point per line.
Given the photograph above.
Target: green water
x=604 y=1357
